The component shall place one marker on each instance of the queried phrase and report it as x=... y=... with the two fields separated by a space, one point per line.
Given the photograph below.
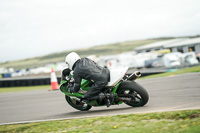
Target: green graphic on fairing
x=84 y=86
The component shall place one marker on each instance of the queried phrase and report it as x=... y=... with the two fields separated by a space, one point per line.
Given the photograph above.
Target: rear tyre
x=77 y=105
x=133 y=90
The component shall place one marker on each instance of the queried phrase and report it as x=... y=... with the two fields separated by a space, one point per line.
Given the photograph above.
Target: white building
x=182 y=45
x=158 y=45
x=185 y=46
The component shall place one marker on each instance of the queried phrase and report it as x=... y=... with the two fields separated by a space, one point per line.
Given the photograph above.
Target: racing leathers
x=85 y=68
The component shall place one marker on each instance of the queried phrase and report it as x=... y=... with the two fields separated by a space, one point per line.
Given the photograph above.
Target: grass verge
x=26 y=88
x=180 y=71
x=173 y=122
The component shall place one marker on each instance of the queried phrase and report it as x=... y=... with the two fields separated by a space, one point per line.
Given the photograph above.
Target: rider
x=84 y=68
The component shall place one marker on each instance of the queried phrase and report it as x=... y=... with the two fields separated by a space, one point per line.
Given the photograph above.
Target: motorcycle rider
x=84 y=68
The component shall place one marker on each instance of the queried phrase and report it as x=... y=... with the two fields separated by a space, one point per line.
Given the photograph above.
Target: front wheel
x=135 y=92
x=77 y=105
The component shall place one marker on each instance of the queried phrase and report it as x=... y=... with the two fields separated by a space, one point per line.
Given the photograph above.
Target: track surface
x=166 y=94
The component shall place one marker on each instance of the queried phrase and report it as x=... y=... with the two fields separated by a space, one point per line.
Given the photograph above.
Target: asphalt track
x=179 y=92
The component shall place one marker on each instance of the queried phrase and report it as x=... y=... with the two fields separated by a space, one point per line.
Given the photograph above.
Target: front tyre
x=77 y=105
x=129 y=89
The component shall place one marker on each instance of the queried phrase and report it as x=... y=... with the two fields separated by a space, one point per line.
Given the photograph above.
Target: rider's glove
x=67 y=78
x=70 y=88
x=71 y=80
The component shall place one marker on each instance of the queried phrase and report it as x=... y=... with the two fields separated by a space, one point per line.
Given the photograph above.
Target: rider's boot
x=108 y=102
x=110 y=99
x=102 y=96
x=85 y=100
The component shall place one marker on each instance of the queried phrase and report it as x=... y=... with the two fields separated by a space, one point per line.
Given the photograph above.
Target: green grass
x=26 y=88
x=180 y=71
x=165 y=122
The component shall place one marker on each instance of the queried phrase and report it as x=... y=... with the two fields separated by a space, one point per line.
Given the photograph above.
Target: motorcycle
x=121 y=89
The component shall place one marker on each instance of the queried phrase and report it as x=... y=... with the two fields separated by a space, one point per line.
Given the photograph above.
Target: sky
x=31 y=28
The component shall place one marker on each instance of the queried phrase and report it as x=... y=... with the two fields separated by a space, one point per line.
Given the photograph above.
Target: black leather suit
x=87 y=69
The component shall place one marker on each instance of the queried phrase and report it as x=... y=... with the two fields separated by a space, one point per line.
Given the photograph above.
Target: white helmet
x=71 y=58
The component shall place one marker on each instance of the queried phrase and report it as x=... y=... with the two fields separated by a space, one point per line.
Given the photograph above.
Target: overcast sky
x=30 y=28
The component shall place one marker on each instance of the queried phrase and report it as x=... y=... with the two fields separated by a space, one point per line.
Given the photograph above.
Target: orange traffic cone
x=110 y=63
x=54 y=81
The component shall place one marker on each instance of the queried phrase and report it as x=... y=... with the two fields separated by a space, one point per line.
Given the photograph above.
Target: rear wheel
x=77 y=104
x=135 y=92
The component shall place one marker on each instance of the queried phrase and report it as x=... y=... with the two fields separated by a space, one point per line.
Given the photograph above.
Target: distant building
x=182 y=45
x=185 y=46
x=158 y=45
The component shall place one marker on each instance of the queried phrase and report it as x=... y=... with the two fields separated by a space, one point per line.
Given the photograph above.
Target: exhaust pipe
x=77 y=99
x=134 y=75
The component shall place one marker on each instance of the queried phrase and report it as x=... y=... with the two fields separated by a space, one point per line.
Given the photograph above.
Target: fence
x=11 y=82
